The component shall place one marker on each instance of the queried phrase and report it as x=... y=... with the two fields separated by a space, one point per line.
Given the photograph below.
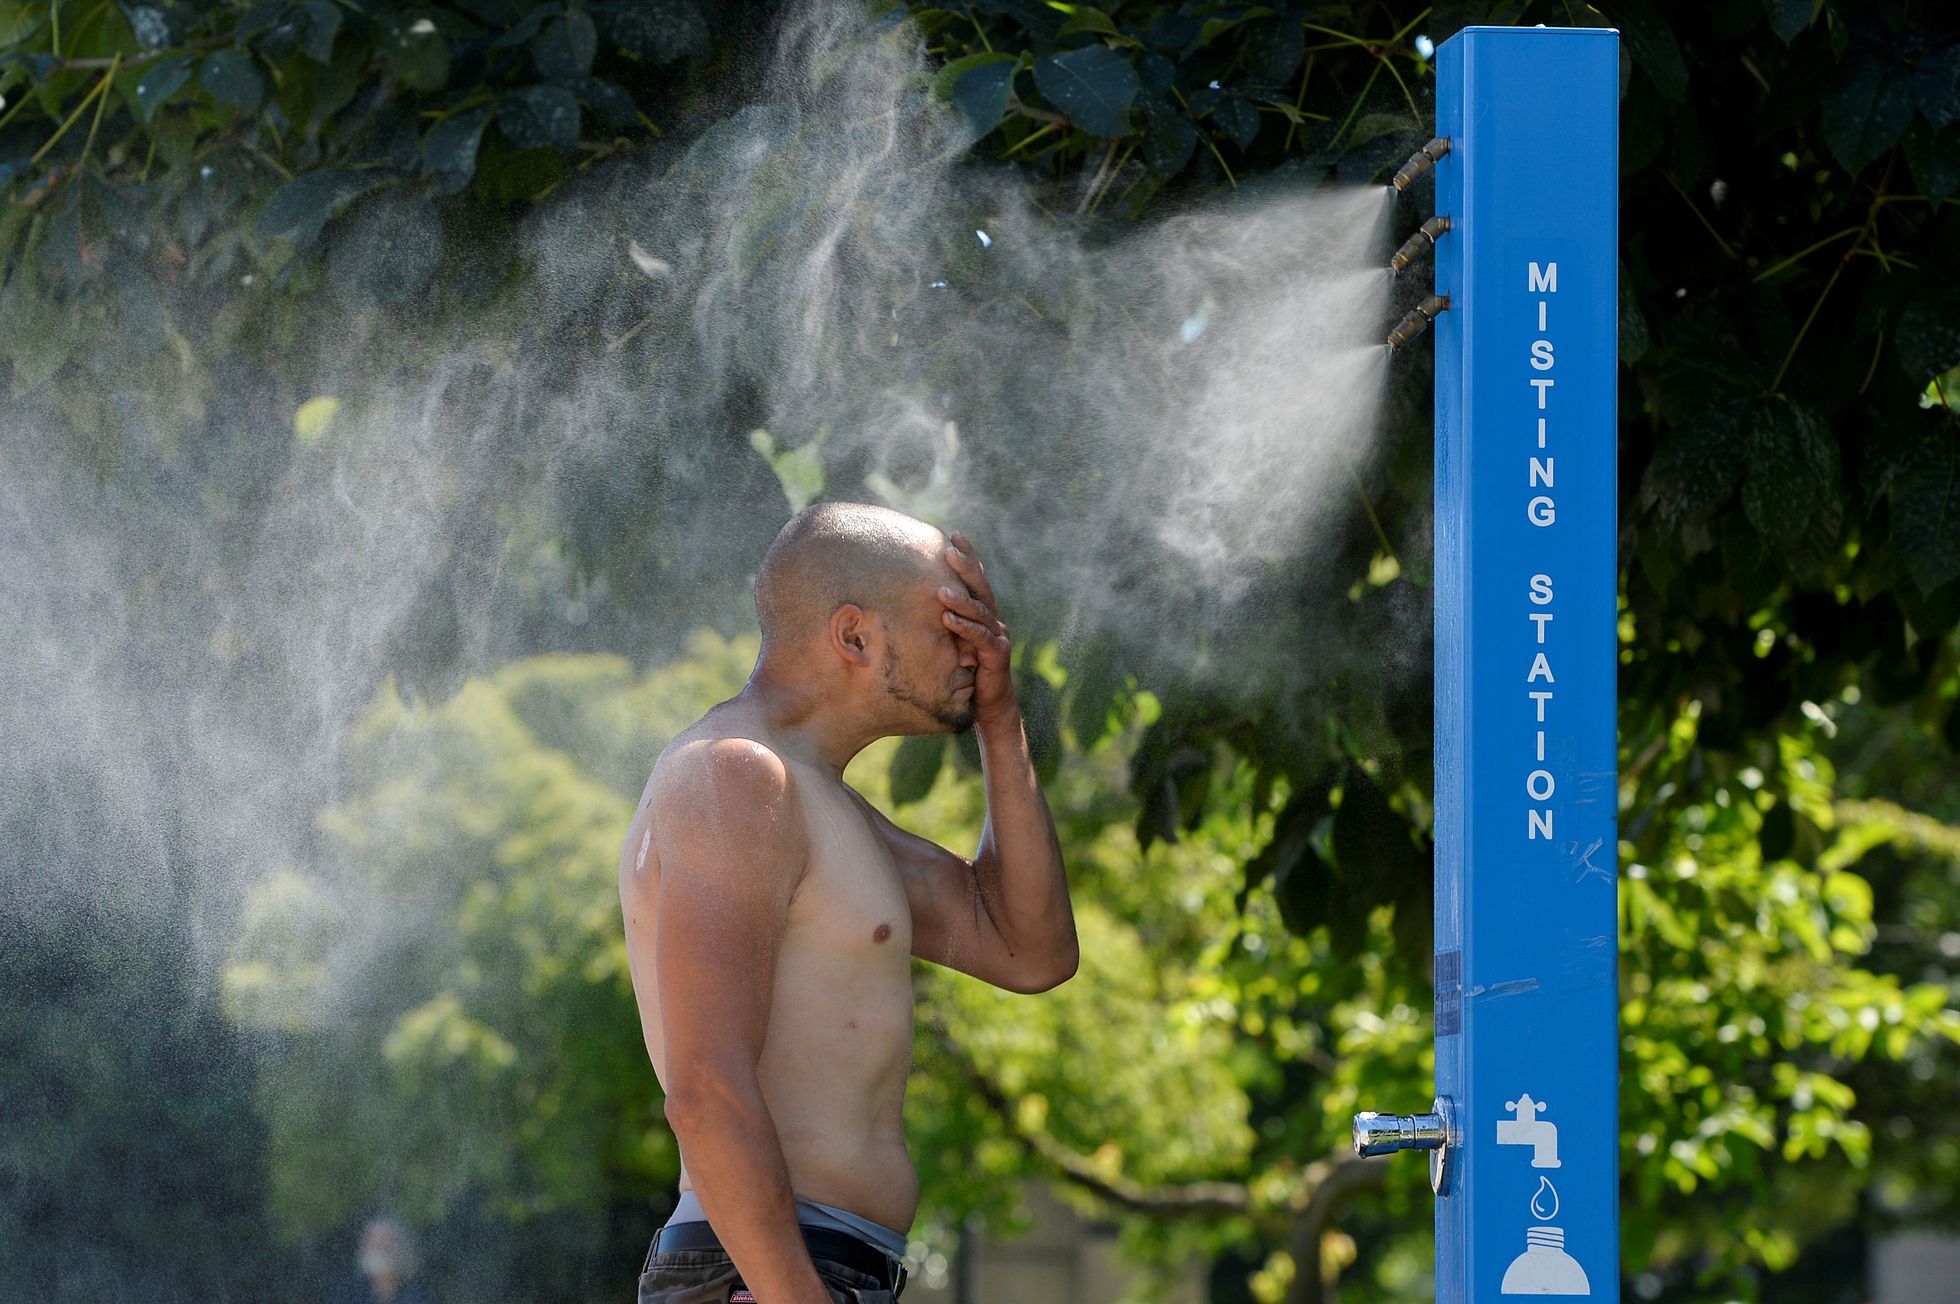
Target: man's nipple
x=884 y=931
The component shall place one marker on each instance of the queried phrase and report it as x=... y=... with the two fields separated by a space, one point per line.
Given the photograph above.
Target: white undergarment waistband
x=812 y=1213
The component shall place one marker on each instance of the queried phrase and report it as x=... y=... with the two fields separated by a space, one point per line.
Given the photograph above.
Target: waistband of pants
x=821 y=1241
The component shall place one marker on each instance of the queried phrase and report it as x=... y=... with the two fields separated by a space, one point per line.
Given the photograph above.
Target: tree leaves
x=322 y=25
x=659 y=31
x=915 y=767
x=1926 y=513
x=1788 y=18
x=1634 y=337
x=233 y=78
x=1868 y=112
x=1929 y=332
x=1238 y=118
x=449 y=148
x=1936 y=86
x=311 y=419
x=979 y=86
x=1934 y=156
x=1041 y=713
x=1095 y=678
x=611 y=104
x=564 y=49
x=1373 y=843
x=298 y=210
x=1093 y=86
x=1301 y=879
x=538 y=116
x=159 y=82
x=1168 y=137
x=415 y=49
x=1697 y=463
x=1792 y=469
x=528 y=28
x=1650 y=41
x=387 y=250
x=1088 y=19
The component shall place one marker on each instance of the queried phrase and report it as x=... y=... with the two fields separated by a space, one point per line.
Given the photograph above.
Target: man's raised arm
x=1019 y=863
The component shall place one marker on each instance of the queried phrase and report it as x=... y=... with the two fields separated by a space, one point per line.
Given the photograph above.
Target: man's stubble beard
x=955 y=719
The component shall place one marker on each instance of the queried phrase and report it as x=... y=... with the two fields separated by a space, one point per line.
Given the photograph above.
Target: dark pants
x=710 y=1277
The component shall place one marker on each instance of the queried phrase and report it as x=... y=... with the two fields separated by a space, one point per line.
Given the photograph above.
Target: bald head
x=833 y=553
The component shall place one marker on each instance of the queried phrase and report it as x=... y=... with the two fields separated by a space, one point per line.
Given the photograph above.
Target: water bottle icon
x=1545 y=1268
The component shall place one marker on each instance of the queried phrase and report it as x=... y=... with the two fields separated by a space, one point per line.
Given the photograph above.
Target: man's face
x=929 y=669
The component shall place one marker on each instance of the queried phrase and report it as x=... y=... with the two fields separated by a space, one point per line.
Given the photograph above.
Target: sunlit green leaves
x=21 y=20
x=313 y=418
x=799 y=470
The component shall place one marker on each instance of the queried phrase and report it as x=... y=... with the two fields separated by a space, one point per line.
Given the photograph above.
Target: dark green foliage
x=233 y=78
x=1093 y=86
x=980 y=86
x=298 y=210
x=915 y=767
x=1867 y=112
x=449 y=150
x=539 y=117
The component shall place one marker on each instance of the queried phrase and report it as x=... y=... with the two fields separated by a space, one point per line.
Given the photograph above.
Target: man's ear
x=850 y=630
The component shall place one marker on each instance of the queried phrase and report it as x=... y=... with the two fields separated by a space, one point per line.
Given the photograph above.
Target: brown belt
x=823 y=1242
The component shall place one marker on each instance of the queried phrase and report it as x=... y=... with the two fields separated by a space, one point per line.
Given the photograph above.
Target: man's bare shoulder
x=713 y=781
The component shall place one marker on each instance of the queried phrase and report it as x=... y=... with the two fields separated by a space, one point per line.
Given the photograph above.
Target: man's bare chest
x=851 y=902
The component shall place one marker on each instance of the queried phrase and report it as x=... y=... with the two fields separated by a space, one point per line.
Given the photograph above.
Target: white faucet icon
x=1527 y=1129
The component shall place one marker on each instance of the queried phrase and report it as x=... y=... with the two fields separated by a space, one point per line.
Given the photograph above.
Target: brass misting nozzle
x=1421 y=161
x=1423 y=240
x=1417 y=321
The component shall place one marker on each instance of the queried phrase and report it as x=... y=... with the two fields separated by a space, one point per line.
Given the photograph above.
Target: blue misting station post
x=1524 y=1132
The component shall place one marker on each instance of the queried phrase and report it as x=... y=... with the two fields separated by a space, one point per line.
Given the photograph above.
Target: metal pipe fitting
x=1417 y=321
x=1421 y=161
x=1423 y=240
x=1384 y=1134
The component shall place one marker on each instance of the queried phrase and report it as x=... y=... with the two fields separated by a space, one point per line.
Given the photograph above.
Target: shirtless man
x=771 y=912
